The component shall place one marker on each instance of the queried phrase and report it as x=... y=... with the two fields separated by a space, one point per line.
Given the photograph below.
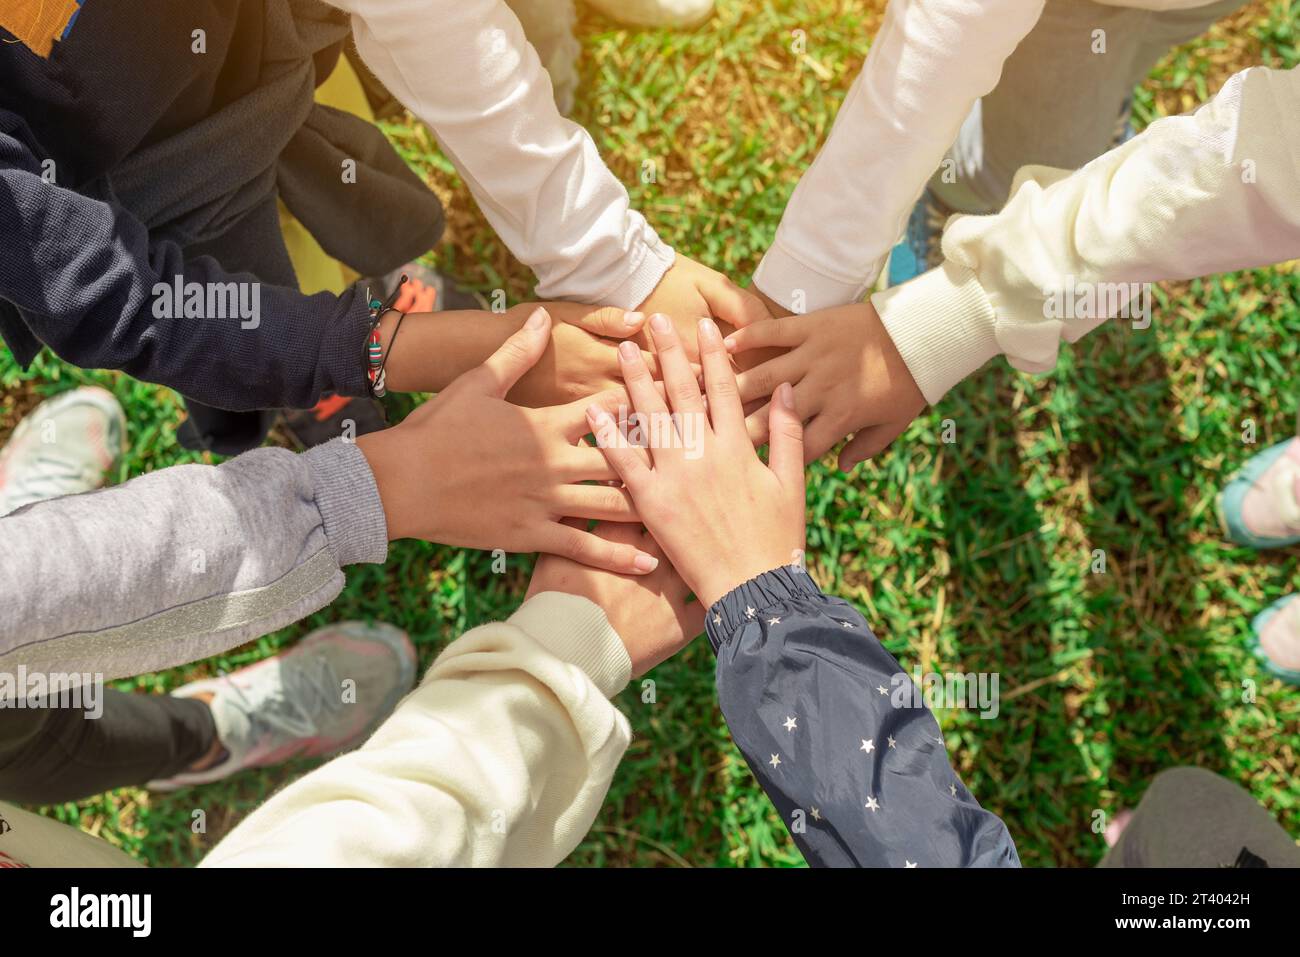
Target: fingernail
x=644 y=562
x=730 y=343
x=536 y=320
x=596 y=415
x=660 y=323
x=628 y=351
x=631 y=319
x=708 y=330
x=785 y=392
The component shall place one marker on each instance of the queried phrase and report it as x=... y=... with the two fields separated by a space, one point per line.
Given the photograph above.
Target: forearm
x=183 y=563
x=467 y=70
x=1206 y=192
x=434 y=348
x=501 y=757
x=832 y=728
x=928 y=64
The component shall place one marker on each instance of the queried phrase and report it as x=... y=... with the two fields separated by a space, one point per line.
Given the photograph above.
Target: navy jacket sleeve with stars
x=808 y=693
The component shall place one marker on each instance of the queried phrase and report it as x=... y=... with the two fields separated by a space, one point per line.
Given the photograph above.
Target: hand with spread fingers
x=651 y=613
x=848 y=379
x=470 y=469
x=721 y=515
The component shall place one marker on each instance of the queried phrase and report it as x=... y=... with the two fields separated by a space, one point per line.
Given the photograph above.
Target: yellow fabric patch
x=37 y=23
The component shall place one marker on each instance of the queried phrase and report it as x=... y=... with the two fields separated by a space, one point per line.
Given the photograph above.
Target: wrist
x=435 y=348
x=777 y=310
x=384 y=458
x=943 y=326
x=723 y=580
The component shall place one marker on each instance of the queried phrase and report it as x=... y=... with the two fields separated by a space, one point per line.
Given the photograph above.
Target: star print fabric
x=808 y=693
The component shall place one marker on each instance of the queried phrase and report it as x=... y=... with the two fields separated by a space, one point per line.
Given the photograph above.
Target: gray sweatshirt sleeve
x=183 y=563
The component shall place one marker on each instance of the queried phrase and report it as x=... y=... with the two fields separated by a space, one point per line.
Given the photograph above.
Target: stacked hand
x=470 y=469
x=721 y=516
x=582 y=356
x=690 y=291
x=650 y=612
x=848 y=376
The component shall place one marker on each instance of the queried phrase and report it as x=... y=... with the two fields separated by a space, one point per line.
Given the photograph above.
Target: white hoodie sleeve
x=501 y=757
x=930 y=62
x=1211 y=191
x=466 y=70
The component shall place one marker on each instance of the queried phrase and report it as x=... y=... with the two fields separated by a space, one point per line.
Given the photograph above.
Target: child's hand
x=649 y=612
x=436 y=348
x=848 y=376
x=469 y=469
x=721 y=515
x=577 y=363
x=689 y=291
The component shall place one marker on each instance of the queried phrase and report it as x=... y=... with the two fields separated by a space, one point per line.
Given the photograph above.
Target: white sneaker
x=63 y=447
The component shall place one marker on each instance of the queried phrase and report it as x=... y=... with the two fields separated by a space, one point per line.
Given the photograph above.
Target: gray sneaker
x=326 y=694
x=63 y=447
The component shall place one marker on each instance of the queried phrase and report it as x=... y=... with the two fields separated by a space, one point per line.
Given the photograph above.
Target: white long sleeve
x=501 y=757
x=1211 y=191
x=466 y=70
x=931 y=60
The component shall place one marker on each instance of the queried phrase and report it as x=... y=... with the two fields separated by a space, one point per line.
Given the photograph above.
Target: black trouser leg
x=50 y=755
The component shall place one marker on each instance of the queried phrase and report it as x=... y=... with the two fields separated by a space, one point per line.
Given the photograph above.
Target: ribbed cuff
x=656 y=258
x=575 y=629
x=943 y=325
x=783 y=279
x=348 y=499
x=343 y=345
x=747 y=602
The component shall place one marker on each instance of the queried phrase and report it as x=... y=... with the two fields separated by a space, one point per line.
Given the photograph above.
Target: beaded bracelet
x=376 y=357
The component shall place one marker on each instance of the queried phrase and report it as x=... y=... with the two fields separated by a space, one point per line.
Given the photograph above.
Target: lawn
x=974 y=555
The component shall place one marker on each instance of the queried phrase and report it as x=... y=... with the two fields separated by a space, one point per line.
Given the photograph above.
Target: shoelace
x=292 y=706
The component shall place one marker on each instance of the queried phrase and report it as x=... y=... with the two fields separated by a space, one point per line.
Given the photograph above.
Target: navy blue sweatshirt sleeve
x=81 y=276
x=828 y=723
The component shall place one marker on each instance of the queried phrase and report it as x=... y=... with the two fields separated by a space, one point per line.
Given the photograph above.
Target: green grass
x=969 y=556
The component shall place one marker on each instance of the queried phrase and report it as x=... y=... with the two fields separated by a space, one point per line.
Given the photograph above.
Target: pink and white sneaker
x=65 y=446
x=325 y=695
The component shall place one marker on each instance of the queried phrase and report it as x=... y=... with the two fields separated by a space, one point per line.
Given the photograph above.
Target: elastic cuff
x=575 y=629
x=656 y=258
x=348 y=499
x=343 y=346
x=943 y=325
x=784 y=279
x=747 y=602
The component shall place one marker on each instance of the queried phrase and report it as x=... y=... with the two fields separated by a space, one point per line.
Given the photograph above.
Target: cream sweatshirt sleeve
x=930 y=62
x=501 y=757
x=467 y=71
x=1210 y=191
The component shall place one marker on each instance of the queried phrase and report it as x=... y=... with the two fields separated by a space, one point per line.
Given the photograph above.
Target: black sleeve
x=81 y=276
x=838 y=735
